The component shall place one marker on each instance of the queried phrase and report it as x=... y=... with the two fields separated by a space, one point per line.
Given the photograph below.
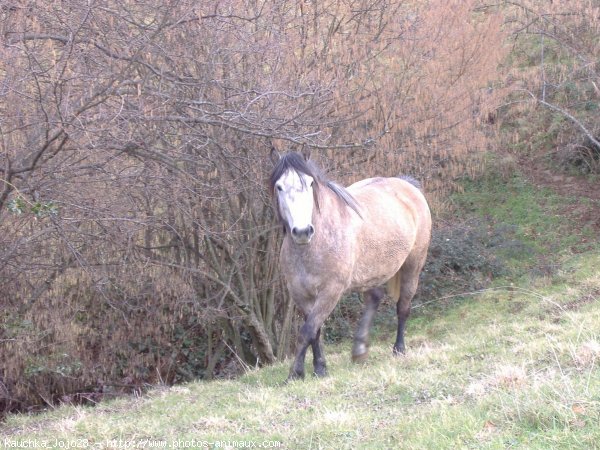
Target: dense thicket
x=137 y=241
x=554 y=81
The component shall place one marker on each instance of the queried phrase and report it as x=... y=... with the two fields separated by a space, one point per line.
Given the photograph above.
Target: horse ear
x=305 y=152
x=275 y=156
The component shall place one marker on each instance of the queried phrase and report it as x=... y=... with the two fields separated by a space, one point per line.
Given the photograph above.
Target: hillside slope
x=514 y=365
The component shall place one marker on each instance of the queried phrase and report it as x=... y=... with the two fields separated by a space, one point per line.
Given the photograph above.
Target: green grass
x=513 y=366
x=477 y=377
x=536 y=214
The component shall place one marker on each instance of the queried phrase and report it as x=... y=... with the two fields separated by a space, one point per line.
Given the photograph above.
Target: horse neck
x=330 y=218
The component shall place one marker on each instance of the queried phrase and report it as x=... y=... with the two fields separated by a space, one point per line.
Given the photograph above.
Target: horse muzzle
x=303 y=235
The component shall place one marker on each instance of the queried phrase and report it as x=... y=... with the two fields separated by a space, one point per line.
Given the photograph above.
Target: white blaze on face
x=296 y=203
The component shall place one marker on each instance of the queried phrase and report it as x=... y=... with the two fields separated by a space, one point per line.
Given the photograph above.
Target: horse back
x=387 y=201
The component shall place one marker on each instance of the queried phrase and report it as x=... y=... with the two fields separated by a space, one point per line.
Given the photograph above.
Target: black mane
x=295 y=161
x=416 y=183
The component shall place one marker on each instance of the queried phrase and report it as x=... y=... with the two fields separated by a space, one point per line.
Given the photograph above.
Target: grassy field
x=512 y=366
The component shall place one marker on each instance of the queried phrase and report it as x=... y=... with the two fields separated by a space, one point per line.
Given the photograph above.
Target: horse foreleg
x=302 y=342
x=310 y=335
x=319 y=364
x=361 y=338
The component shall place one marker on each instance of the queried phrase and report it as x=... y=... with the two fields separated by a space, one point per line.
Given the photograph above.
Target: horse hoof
x=321 y=373
x=293 y=376
x=361 y=358
x=360 y=352
x=398 y=352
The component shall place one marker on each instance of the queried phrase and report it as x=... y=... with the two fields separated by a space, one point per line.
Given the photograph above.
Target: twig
x=483 y=291
x=246 y=367
x=567 y=115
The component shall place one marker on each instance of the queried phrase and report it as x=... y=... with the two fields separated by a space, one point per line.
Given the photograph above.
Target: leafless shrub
x=556 y=45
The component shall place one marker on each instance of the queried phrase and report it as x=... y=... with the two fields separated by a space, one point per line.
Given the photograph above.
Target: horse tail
x=393 y=286
x=416 y=183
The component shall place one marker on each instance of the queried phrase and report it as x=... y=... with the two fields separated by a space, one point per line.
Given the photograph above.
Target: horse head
x=294 y=184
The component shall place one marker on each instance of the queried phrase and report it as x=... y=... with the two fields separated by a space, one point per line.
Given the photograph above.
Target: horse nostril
x=306 y=232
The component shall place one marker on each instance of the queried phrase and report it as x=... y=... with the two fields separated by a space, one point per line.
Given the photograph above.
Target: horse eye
x=279 y=188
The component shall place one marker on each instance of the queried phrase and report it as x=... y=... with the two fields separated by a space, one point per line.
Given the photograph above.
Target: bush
x=468 y=256
x=343 y=320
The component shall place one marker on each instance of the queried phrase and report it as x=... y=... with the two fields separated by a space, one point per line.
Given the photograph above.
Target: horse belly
x=379 y=260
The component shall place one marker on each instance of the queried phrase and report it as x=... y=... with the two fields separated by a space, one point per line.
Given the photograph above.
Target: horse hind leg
x=361 y=338
x=409 y=281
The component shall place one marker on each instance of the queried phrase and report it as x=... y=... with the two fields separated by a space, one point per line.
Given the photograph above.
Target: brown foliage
x=148 y=127
x=555 y=79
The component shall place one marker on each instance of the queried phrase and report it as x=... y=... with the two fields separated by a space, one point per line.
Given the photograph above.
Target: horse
x=338 y=240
